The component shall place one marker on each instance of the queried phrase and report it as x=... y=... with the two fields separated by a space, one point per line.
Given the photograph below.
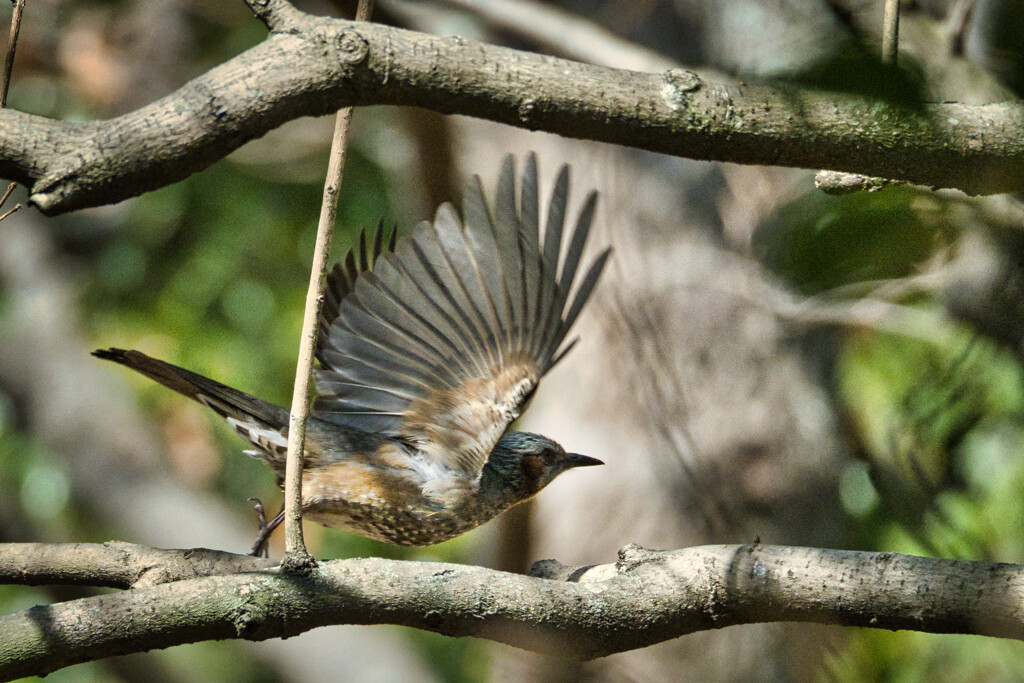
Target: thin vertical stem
x=891 y=31
x=5 y=83
x=296 y=555
x=5 y=79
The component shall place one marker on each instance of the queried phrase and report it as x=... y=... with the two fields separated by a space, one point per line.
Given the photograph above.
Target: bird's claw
x=261 y=515
x=260 y=545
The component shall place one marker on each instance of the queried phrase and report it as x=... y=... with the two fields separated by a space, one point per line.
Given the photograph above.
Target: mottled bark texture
x=582 y=612
x=311 y=66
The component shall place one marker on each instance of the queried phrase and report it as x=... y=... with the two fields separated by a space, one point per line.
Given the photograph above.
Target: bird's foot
x=259 y=546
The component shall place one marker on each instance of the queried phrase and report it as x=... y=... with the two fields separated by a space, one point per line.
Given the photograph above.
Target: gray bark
x=582 y=612
x=311 y=66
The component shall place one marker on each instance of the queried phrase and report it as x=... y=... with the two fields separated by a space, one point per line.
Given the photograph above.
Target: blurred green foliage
x=819 y=242
x=938 y=422
x=908 y=657
x=941 y=427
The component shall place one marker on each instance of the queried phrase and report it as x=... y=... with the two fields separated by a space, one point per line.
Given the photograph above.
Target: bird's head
x=521 y=464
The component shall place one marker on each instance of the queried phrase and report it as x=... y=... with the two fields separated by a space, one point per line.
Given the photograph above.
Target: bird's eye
x=533 y=466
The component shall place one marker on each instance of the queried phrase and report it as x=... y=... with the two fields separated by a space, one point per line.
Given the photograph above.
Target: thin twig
x=7 y=193
x=5 y=82
x=891 y=31
x=5 y=197
x=14 y=208
x=296 y=555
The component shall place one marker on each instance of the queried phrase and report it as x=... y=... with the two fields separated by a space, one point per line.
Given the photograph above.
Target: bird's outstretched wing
x=441 y=341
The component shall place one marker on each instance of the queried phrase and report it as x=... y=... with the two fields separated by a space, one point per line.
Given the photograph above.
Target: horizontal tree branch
x=311 y=66
x=115 y=564
x=582 y=612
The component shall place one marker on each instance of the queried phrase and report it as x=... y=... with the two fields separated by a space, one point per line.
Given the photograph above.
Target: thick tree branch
x=314 y=66
x=115 y=564
x=645 y=598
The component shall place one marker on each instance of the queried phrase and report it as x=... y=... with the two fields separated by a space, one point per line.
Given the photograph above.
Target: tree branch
x=273 y=13
x=314 y=66
x=115 y=564
x=581 y=612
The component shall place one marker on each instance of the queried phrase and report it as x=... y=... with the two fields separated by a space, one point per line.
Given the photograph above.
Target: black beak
x=577 y=460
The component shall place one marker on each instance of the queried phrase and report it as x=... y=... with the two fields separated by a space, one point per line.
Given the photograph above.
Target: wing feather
x=440 y=340
x=421 y=299
x=343 y=276
x=548 y=291
x=390 y=354
x=429 y=347
x=442 y=307
x=582 y=294
x=509 y=253
x=482 y=251
x=529 y=244
x=435 y=331
x=334 y=385
x=445 y=274
x=465 y=275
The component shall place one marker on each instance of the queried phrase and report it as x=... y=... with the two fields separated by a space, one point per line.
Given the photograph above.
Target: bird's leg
x=259 y=546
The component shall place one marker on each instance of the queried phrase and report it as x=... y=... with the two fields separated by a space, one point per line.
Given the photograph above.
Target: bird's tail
x=263 y=423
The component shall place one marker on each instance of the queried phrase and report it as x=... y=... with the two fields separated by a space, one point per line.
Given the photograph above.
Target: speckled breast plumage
x=405 y=525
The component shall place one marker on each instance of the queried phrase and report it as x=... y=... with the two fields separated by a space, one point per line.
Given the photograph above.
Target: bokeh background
x=762 y=361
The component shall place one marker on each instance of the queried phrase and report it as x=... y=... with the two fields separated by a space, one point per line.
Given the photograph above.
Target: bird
x=429 y=348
